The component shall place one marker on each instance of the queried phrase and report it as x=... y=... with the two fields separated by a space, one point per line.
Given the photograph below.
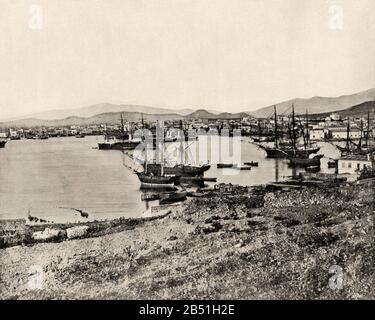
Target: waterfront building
x=342 y=132
x=354 y=164
x=317 y=134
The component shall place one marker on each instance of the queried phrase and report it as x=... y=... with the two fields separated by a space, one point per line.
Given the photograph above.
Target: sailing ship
x=304 y=159
x=124 y=144
x=181 y=169
x=149 y=180
x=360 y=148
x=282 y=150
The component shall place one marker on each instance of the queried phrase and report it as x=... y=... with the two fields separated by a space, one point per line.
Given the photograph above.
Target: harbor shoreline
x=227 y=245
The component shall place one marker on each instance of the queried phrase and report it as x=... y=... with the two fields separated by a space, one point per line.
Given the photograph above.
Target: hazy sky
x=218 y=54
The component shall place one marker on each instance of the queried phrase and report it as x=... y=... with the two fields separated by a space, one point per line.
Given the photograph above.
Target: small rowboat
x=173 y=197
x=252 y=164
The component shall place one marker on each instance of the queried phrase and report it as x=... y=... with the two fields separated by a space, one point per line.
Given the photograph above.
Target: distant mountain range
x=114 y=117
x=101 y=108
x=204 y=114
x=317 y=104
x=110 y=113
x=108 y=117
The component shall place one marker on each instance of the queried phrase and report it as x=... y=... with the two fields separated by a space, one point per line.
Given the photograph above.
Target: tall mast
x=368 y=129
x=307 y=128
x=293 y=129
x=303 y=135
x=361 y=136
x=182 y=150
x=146 y=157
x=162 y=158
x=122 y=128
x=161 y=132
x=348 y=138
x=276 y=134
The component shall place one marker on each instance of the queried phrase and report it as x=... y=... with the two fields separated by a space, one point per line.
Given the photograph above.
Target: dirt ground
x=222 y=247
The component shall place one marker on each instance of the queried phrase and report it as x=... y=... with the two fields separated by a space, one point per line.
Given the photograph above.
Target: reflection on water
x=50 y=177
x=269 y=170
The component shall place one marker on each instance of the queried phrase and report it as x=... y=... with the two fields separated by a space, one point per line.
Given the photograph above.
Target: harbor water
x=51 y=178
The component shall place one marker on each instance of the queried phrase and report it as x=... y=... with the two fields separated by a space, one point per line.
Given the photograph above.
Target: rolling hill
x=360 y=110
x=204 y=114
x=108 y=117
x=100 y=108
x=114 y=117
x=317 y=104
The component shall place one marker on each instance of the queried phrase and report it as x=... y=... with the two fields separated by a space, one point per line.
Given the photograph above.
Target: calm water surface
x=49 y=177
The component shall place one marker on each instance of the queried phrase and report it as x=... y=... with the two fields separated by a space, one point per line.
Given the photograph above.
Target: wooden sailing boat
x=303 y=160
x=352 y=148
x=183 y=168
x=150 y=180
x=124 y=144
x=292 y=150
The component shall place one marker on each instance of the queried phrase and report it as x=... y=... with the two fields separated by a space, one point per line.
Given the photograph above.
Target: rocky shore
x=226 y=245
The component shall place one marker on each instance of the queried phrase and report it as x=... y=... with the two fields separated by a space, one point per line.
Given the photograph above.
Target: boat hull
x=288 y=153
x=192 y=181
x=157 y=186
x=225 y=165
x=304 y=162
x=173 y=197
x=157 y=179
x=180 y=170
x=126 y=145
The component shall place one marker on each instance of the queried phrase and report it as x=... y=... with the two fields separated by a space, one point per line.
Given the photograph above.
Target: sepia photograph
x=185 y=150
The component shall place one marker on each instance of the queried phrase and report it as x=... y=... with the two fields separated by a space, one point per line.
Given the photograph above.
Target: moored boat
x=278 y=153
x=251 y=163
x=225 y=165
x=150 y=178
x=283 y=150
x=173 y=197
x=242 y=168
x=158 y=186
x=124 y=144
x=305 y=162
x=120 y=145
x=179 y=169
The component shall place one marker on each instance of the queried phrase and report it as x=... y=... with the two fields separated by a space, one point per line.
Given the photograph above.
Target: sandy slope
x=216 y=248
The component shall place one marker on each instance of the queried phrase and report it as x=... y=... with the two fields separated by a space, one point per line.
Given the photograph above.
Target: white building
x=317 y=134
x=342 y=133
x=354 y=164
x=335 y=117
